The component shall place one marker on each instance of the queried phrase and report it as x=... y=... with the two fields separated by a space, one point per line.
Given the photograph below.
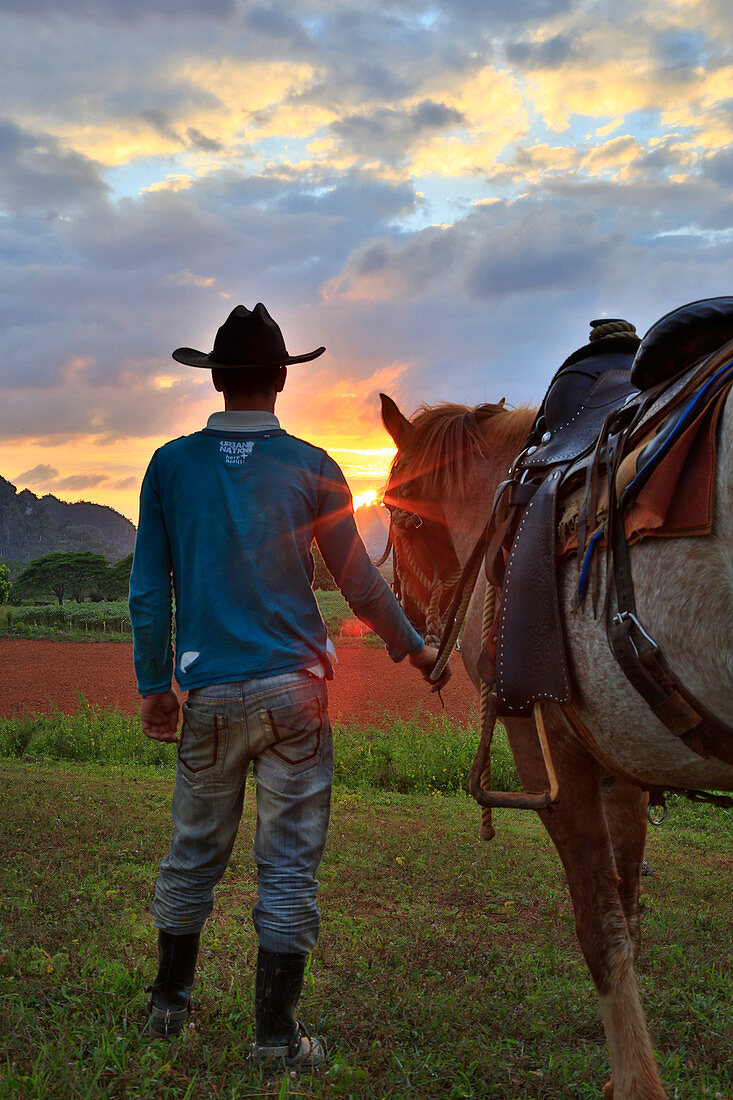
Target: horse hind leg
x=580 y=831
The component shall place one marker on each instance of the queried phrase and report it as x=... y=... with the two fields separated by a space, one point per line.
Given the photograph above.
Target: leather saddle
x=604 y=395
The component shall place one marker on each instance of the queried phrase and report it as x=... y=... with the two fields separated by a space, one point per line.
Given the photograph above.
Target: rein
x=444 y=634
x=458 y=609
x=441 y=631
x=427 y=593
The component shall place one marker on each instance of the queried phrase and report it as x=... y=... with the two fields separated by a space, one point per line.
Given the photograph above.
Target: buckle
x=622 y=617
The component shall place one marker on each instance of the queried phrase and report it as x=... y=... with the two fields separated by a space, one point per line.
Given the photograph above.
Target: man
x=227 y=517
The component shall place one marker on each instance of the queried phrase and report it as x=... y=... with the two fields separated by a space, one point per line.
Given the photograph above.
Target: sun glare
x=363 y=500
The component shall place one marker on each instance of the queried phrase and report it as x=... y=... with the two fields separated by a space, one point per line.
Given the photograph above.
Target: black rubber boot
x=170 y=993
x=281 y=1041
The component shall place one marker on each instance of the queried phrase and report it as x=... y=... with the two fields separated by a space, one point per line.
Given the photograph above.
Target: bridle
x=426 y=569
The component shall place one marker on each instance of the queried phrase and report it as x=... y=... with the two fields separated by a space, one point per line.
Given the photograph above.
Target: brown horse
x=449 y=461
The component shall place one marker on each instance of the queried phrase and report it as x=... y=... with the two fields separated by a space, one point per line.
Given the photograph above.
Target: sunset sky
x=443 y=193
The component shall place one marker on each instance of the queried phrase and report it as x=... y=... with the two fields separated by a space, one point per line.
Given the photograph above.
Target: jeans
x=280 y=723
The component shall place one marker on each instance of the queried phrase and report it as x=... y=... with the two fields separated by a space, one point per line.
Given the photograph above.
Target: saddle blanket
x=678 y=498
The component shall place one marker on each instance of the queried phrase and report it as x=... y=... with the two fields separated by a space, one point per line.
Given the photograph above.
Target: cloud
x=718 y=167
x=81 y=481
x=200 y=141
x=124 y=10
x=445 y=192
x=484 y=255
x=39 y=475
x=46 y=478
x=390 y=133
x=38 y=174
x=550 y=53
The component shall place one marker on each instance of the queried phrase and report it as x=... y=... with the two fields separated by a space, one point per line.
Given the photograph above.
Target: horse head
x=425 y=565
x=448 y=456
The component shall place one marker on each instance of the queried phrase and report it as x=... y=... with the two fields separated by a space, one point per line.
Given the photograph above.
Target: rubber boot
x=281 y=1041
x=170 y=993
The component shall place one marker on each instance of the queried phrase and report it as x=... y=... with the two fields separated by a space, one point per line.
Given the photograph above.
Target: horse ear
x=396 y=423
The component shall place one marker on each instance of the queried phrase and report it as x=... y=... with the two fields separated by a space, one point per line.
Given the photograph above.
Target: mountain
x=32 y=526
x=372 y=523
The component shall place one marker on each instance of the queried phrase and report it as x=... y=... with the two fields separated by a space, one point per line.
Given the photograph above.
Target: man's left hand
x=424 y=660
x=159 y=716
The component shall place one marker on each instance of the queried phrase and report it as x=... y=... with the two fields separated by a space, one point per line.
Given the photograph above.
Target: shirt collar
x=248 y=421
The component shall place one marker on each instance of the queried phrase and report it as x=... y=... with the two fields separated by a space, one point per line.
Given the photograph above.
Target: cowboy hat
x=248 y=338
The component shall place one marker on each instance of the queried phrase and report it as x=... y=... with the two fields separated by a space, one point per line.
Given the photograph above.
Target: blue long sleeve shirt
x=227 y=519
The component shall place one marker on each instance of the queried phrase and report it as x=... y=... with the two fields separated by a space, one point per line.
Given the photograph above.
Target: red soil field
x=38 y=676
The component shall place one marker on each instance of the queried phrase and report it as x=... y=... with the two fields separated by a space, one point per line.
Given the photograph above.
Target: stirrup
x=517 y=800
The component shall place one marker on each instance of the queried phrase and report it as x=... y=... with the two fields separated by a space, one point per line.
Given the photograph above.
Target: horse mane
x=446 y=438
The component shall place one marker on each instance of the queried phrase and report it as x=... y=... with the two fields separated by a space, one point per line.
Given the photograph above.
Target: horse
x=450 y=460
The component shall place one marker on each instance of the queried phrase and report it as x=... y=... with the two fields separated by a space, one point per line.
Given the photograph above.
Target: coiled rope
x=610 y=328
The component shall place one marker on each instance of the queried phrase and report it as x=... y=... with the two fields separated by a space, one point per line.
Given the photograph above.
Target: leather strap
x=532 y=662
x=642 y=662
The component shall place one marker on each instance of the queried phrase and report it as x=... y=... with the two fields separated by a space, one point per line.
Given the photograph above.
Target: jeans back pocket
x=203 y=743
x=294 y=731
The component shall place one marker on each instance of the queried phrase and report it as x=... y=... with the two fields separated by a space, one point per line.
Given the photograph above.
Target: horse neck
x=467 y=507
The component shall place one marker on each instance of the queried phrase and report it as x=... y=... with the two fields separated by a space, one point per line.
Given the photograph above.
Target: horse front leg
x=579 y=829
x=625 y=806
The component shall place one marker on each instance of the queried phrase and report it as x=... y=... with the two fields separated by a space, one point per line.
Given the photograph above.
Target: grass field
x=447 y=967
x=109 y=621
x=422 y=754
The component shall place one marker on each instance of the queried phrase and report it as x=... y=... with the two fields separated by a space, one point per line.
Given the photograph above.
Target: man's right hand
x=424 y=659
x=159 y=716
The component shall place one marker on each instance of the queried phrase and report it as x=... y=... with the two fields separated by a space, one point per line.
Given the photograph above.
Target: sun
x=363 y=500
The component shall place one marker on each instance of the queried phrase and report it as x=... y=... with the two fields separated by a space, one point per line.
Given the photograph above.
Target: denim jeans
x=280 y=723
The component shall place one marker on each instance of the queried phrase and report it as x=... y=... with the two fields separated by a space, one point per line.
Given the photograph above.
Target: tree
x=115 y=585
x=60 y=575
x=322 y=579
x=4 y=582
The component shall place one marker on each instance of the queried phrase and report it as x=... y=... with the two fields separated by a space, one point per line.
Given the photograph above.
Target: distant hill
x=32 y=526
x=372 y=522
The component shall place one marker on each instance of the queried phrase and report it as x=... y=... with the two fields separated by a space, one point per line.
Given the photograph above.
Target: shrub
x=334 y=609
x=422 y=754
x=91 y=735
x=108 y=617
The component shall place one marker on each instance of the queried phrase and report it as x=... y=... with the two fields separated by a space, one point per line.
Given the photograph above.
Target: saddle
x=617 y=400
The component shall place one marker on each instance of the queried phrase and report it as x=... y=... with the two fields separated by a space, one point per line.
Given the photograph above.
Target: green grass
x=110 y=620
x=423 y=754
x=446 y=967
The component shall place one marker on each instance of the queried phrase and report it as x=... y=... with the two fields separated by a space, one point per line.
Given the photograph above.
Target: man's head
x=249 y=359
x=247 y=340
x=249 y=387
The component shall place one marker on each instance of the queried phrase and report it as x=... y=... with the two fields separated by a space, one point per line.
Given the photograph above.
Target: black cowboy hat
x=246 y=339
